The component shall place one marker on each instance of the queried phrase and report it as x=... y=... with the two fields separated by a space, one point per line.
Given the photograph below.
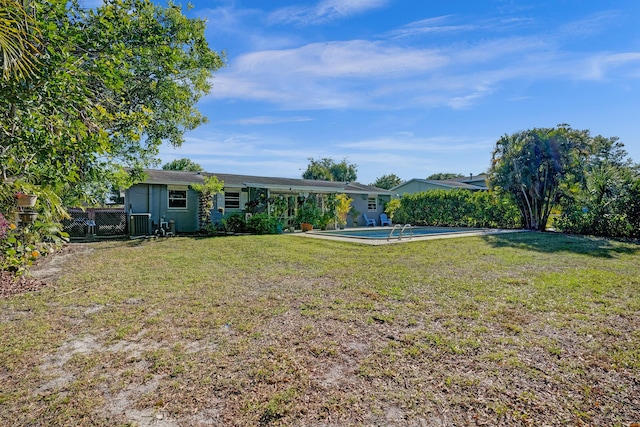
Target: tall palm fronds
x=18 y=40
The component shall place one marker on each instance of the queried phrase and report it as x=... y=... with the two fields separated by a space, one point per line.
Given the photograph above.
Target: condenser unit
x=140 y=224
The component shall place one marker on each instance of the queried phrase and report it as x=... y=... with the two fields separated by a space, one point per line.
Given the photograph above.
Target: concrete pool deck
x=317 y=234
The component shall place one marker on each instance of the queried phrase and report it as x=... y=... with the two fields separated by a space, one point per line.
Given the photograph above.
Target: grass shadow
x=558 y=242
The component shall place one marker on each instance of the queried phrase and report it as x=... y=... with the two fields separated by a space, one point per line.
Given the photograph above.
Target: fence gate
x=98 y=222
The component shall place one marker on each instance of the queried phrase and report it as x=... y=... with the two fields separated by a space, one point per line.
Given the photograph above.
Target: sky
x=410 y=88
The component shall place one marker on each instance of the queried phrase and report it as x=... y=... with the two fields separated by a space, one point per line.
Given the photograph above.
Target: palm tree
x=18 y=40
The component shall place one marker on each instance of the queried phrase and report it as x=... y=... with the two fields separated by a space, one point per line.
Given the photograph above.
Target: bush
x=235 y=223
x=612 y=217
x=262 y=224
x=457 y=208
x=17 y=249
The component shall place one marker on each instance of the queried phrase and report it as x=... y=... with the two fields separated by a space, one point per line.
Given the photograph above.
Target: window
x=231 y=200
x=177 y=199
x=372 y=204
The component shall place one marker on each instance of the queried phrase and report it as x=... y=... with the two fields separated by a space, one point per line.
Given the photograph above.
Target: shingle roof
x=446 y=183
x=155 y=176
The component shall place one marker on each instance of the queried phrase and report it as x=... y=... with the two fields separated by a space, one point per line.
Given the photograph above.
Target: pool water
x=383 y=233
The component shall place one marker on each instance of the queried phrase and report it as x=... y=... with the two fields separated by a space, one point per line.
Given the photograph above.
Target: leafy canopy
x=387 y=181
x=607 y=203
x=328 y=170
x=445 y=175
x=182 y=165
x=537 y=167
x=113 y=83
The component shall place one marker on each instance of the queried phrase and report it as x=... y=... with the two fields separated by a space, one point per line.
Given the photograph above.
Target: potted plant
x=26 y=200
x=308 y=215
x=343 y=206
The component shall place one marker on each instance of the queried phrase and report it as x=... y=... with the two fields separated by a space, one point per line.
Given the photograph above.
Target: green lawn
x=514 y=329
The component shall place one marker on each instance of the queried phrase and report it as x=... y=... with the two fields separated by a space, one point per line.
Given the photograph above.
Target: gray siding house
x=472 y=183
x=166 y=197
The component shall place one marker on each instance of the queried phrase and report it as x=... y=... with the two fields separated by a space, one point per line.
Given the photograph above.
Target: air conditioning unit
x=140 y=224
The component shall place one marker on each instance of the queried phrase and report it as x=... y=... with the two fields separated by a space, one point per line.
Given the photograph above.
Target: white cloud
x=429 y=26
x=591 y=25
x=402 y=153
x=601 y=65
x=324 y=11
x=267 y=120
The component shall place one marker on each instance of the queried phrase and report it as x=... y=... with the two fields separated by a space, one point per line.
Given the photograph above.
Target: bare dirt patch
x=44 y=272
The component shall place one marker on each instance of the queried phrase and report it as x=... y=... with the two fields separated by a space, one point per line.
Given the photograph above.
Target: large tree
x=387 y=181
x=537 y=167
x=327 y=169
x=182 y=165
x=111 y=85
x=608 y=201
x=445 y=175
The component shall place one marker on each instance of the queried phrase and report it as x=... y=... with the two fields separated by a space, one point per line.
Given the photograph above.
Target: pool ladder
x=402 y=229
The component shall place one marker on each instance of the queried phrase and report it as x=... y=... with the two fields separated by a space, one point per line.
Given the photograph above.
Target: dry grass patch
x=522 y=329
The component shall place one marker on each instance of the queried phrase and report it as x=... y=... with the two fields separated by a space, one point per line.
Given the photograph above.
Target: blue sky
x=409 y=87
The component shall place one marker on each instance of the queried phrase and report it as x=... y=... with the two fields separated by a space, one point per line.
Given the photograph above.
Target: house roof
x=155 y=176
x=473 y=180
x=445 y=183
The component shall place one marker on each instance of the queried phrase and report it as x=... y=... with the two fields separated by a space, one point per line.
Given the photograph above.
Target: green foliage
x=391 y=207
x=278 y=207
x=445 y=175
x=262 y=223
x=18 y=40
x=309 y=212
x=457 y=208
x=387 y=181
x=343 y=206
x=607 y=200
x=609 y=205
x=182 y=165
x=235 y=223
x=537 y=168
x=328 y=170
x=207 y=190
x=113 y=83
x=21 y=246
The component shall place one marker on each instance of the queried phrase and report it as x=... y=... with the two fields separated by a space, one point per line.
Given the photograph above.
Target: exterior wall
x=154 y=199
x=412 y=187
x=361 y=204
x=219 y=211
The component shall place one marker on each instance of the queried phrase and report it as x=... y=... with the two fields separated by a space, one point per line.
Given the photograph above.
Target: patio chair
x=370 y=221
x=384 y=219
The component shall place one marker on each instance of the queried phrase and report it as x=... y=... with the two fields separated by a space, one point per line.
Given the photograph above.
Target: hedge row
x=458 y=208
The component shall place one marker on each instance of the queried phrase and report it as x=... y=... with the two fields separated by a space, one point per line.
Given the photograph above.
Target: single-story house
x=166 y=197
x=416 y=185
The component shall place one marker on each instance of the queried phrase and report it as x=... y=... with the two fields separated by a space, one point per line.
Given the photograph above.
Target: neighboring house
x=165 y=196
x=416 y=185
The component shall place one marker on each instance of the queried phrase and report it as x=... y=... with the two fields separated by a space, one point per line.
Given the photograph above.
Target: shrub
x=16 y=254
x=262 y=224
x=235 y=223
x=457 y=208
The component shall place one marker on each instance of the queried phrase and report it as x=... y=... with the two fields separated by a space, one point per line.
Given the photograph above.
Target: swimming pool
x=383 y=235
